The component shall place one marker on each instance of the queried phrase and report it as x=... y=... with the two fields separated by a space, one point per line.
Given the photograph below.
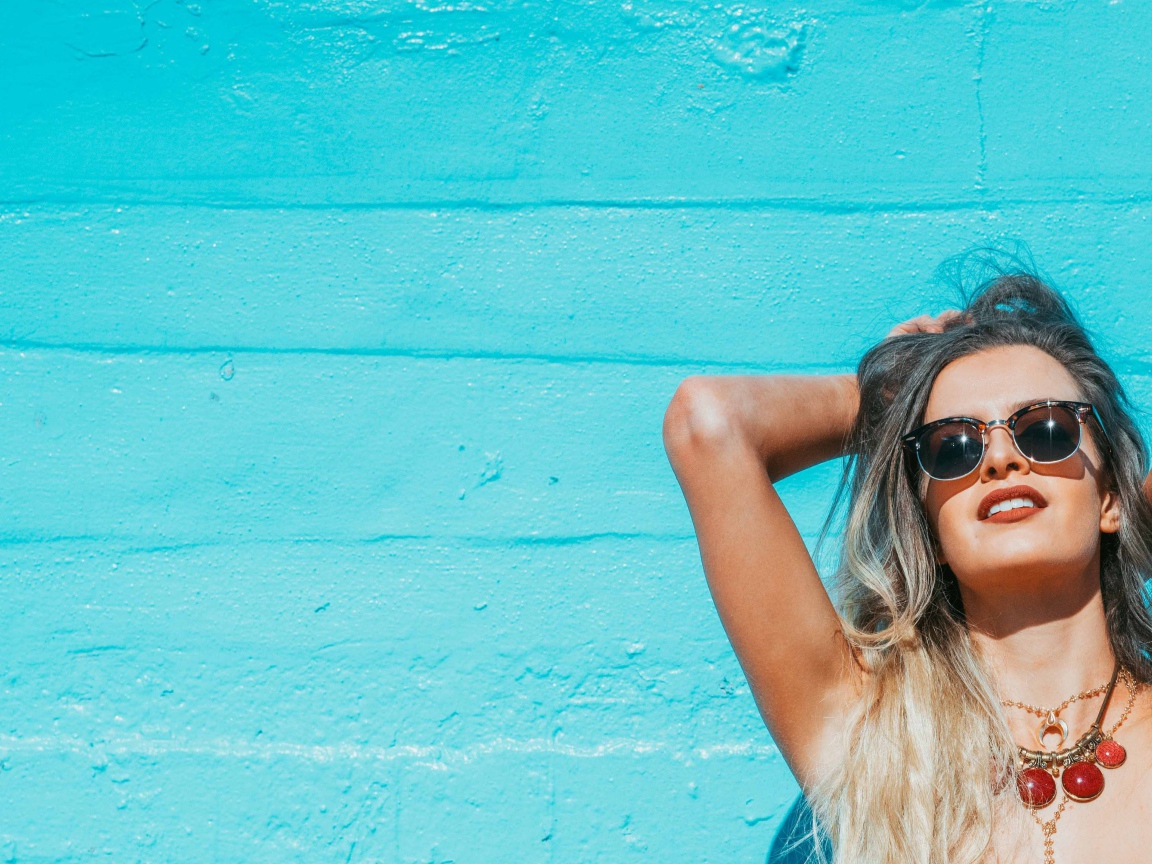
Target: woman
x=990 y=590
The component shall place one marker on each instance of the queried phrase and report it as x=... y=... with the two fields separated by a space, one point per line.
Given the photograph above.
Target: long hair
x=930 y=761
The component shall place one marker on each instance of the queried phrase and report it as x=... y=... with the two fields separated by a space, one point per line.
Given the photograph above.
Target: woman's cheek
x=954 y=536
x=1079 y=529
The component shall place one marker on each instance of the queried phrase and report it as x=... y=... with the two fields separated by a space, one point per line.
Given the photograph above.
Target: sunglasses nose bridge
x=1003 y=424
x=1009 y=429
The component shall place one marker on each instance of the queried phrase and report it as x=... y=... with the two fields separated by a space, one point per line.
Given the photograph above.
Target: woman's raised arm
x=728 y=438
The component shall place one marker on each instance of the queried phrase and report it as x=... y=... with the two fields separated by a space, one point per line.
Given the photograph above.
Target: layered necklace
x=1077 y=767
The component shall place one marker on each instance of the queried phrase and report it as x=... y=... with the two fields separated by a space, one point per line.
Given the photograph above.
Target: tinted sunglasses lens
x=1048 y=434
x=951 y=450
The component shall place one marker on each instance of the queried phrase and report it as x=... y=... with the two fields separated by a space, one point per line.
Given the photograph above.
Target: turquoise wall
x=336 y=337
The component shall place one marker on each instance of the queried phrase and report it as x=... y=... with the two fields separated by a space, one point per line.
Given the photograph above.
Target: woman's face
x=1031 y=548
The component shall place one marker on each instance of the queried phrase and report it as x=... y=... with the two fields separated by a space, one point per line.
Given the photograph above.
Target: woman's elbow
x=698 y=418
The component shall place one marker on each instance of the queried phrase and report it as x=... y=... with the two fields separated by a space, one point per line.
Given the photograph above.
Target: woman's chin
x=1025 y=569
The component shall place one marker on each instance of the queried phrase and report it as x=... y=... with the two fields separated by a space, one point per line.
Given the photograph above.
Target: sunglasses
x=1045 y=432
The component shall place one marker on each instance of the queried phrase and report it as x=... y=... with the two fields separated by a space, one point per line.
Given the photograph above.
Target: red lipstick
x=998 y=496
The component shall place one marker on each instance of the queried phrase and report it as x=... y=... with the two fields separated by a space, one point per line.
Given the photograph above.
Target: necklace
x=1076 y=766
x=1051 y=716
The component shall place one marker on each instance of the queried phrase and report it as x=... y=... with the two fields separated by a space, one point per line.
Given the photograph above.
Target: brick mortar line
x=982 y=203
x=414 y=354
x=432 y=756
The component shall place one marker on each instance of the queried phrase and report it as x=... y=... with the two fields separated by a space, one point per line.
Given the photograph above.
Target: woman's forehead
x=991 y=384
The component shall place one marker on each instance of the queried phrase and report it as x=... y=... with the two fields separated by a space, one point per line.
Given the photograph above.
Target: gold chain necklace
x=1050 y=717
x=1076 y=766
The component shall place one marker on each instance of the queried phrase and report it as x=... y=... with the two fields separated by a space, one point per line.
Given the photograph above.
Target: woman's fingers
x=925 y=323
x=919 y=324
x=948 y=316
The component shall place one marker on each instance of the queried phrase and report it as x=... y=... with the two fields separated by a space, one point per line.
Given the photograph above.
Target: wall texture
x=334 y=345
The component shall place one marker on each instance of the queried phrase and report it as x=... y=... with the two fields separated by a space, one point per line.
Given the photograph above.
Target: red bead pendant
x=1083 y=781
x=1037 y=787
x=1110 y=754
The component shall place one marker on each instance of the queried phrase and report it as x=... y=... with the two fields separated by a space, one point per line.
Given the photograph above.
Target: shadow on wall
x=793 y=841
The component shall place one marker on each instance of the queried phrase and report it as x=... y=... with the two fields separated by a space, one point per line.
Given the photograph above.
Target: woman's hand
x=925 y=324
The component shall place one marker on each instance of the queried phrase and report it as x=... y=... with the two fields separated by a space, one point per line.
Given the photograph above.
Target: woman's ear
x=1110 y=513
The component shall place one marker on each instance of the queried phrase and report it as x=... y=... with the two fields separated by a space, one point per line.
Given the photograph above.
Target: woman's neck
x=1045 y=645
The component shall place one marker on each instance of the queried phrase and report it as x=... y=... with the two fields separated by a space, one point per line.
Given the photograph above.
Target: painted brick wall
x=336 y=337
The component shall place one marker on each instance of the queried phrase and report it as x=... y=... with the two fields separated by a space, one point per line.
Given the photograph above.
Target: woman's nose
x=1001 y=456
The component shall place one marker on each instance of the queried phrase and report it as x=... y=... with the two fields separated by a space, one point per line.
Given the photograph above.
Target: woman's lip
x=1013 y=515
x=1017 y=513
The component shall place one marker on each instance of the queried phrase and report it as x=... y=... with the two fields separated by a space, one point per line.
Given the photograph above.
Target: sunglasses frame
x=912 y=440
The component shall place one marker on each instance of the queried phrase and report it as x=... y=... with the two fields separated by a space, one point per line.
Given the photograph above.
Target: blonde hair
x=929 y=762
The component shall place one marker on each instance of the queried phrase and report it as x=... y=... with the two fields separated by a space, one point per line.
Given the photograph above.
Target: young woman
x=979 y=693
